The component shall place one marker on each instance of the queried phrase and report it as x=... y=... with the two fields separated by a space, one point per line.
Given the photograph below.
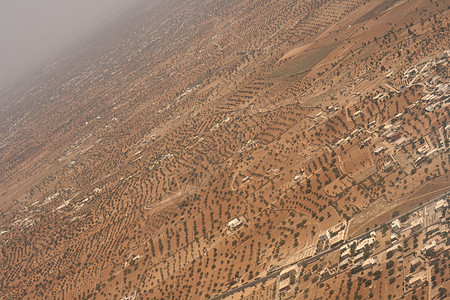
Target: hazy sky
x=32 y=31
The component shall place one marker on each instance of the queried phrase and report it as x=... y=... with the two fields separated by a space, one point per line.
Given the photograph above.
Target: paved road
x=319 y=255
x=247 y=285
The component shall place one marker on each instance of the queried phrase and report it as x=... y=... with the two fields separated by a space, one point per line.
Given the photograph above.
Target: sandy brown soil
x=122 y=164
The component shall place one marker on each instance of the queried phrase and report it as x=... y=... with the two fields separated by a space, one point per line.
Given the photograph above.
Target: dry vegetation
x=122 y=164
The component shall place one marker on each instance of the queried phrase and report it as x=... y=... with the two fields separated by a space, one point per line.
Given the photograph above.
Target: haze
x=32 y=31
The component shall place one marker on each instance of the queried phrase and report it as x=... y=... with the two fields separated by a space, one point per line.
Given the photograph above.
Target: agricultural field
x=230 y=150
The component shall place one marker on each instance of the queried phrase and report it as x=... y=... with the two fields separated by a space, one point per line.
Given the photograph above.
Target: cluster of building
x=417 y=223
x=434 y=242
x=414 y=280
x=413 y=74
x=438 y=90
x=430 y=222
x=288 y=277
x=332 y=237
x=356 y=254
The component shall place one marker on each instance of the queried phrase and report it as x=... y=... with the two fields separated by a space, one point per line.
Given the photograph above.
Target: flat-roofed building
x=292 y=270
x=416 y=224
x=432 y=230
x=337 y=239
x=235 y=223
x=394 y=237
x=285 y=285
x=358 y=257
x=441 y=205
x=417 y=279
x=344 y=264
x=396 y=225
x=415 y=262
x=368 y=263
x=365 y=244
x=345 y=254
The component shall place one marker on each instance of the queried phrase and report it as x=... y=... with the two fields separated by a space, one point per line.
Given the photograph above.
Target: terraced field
x=122 y=164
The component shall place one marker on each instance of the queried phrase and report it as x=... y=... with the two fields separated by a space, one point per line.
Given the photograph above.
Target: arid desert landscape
x=242 y=149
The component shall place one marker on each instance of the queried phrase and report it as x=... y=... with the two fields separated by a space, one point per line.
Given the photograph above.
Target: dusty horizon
x=31 y=32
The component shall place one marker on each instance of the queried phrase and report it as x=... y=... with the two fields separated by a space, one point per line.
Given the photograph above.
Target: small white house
x=441 y=205
x=234 y=223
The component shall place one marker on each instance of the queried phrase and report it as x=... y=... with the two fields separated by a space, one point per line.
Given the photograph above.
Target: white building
x=285 y=285
x=345 y=254
x=429 y=246
x=285 y=277
x=343 y=264
x=379 y=149
x=365 y=243
x=441 y=205
x=234 y=223
x=396 y=225
x=324 y=237
x=339 y=238
x=368 y=263
x=416 y=224
x=344 y=247
x=432 y=230
x=417 y=279
x=338 y=227
x=394 y=237
x=358 y=258
x=416 y=261
x=394 y=248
